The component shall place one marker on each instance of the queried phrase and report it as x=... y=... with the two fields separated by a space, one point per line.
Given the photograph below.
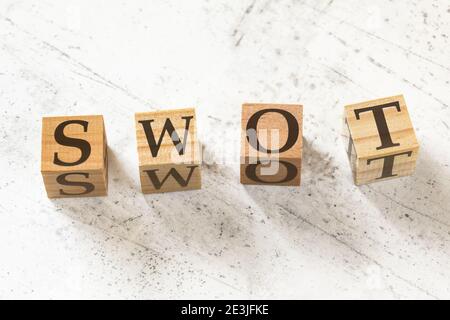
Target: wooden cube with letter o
x=74 y=160
x=271 y=144
x=168 y=149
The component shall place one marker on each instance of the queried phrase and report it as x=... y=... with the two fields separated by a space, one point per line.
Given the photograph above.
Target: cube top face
x=73 y=143
x=380 y=127
x=167 y=137
x=271 y=131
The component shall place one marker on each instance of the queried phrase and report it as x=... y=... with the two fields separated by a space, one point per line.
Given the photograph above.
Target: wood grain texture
x=366 y=148
x=271 y=144
x=91 y=174
x=172 y=161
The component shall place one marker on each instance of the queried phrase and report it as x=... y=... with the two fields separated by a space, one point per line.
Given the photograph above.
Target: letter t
x=380 y=120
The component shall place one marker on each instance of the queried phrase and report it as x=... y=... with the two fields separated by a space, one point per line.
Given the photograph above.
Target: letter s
x=81 y=144
x=61 y=179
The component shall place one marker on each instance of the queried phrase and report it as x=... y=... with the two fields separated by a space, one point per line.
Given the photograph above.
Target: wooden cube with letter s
x=168 y=149
x=381 y=142
x=271 y=144
x=74 y=160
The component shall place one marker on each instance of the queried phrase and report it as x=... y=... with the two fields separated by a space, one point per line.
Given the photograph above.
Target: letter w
x=168 y=126
x=172 y=172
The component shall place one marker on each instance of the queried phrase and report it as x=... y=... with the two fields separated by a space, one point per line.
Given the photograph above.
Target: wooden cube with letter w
x=169 y=153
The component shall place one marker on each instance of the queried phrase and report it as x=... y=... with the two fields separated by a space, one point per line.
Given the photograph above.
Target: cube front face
x=74 y=156
x=271 y=144
x=170 y=177
x=168 y=149
x=381 y=140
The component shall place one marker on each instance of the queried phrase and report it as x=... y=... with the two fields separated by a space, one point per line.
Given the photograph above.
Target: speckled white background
x=326 y=239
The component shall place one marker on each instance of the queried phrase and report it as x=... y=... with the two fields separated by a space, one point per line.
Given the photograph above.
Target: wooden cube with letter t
x=169 y=153
x=271 y=144
x=381 y=140
x=74 y=160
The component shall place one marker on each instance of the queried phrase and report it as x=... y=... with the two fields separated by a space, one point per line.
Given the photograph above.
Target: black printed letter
x=250 y=172
x=168 y=126
x=172 y=172
x=62 y=139
x=293 y=130
x=61 y=179
x=380 y=120
x=388 y=164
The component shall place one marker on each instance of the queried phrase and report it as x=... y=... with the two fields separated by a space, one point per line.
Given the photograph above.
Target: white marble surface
x=326 y=239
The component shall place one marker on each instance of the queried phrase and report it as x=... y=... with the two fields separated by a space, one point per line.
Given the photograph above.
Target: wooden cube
x=271 y=144
x=381 y=143
x=169 y=153
x=74 y=160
